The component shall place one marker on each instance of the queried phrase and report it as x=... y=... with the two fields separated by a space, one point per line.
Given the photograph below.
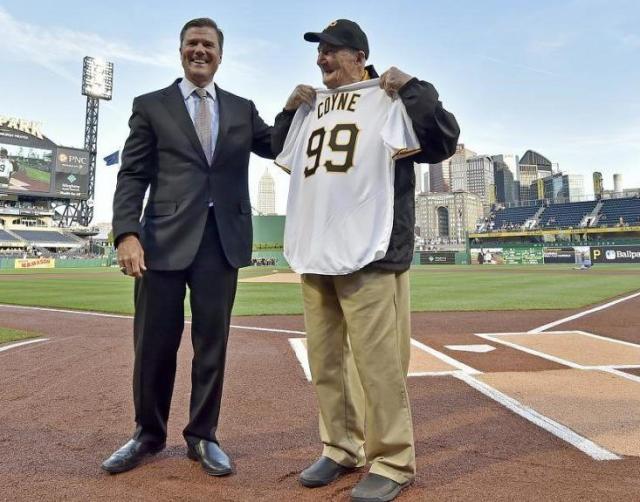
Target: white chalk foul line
x=64 y=311
x=621 y=374
x=495 y=337
x=300 y=350
x=599 y=337
x=557 y=429
x=298 y=346
x=272 y=330
x=20 y=344
x=120 y=316
x=582 y=314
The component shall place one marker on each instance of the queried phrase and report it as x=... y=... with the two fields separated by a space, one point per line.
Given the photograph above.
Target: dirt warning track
x=65 y=404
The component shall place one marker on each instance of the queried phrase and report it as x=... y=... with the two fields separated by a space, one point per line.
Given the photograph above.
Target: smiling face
x=201 y=54
x=340 y=65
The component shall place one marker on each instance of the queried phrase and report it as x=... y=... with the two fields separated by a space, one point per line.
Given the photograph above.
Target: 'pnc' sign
x=73 y=159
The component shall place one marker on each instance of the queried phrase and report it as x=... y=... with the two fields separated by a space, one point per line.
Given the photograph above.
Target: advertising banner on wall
x=437 y=258
x=523 y=256
x=72 y=173
x=36 y=263
x=486 y=256
x=615 y=254
x=560 y=255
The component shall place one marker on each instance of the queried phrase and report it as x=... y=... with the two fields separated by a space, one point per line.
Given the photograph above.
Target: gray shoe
x=322 y=472
x=376 y=488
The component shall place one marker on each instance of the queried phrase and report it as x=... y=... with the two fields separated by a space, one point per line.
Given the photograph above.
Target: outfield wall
x=33 y=263
x=539 y=254
x=268 y=230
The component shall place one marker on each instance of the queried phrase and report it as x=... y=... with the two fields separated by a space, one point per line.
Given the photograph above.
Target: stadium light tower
x=97 y=84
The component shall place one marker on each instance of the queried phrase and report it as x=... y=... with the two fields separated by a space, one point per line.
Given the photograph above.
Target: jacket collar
x=174 y=101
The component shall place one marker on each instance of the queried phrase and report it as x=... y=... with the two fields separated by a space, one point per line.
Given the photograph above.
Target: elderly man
x=350 y=150
x=189 y=144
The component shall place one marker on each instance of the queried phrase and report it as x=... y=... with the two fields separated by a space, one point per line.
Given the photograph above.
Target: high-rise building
x=266 y=194
x=560 y=188
x=617 y=183
x=598 y=186
x=418 y=170
x=458 y=169
x=532 y=166
x=439 y=177
x=447 y=216
x=425 y=182
x=450 y=174
x=480 y=178
x=507 y=190
x=513 y=161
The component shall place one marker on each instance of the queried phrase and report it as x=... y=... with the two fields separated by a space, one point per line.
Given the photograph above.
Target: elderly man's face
x=200 y=54
x=339 y=65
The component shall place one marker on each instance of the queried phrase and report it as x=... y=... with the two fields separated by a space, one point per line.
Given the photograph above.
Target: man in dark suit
x=190 y=145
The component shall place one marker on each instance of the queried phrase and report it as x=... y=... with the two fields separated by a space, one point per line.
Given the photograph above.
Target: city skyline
x=565 y=89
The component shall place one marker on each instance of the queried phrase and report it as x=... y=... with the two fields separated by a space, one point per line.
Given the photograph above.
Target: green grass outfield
x=13 y=335
x=433 y=288
x=37 y=175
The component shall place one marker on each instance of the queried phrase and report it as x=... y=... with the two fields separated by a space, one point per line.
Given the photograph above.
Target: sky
x=558 y=77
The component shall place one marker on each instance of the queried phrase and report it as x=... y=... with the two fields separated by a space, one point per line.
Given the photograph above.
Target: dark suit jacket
x=163 y=152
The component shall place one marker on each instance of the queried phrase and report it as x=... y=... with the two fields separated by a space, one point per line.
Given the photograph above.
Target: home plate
x=471 y=348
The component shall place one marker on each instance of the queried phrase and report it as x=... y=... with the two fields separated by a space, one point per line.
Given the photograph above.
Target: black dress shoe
x=376 y=488
x=322 y=472
x=130 y=456
x=213 y=460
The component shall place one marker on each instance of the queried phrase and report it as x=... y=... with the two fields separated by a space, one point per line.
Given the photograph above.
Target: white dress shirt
x=192 y=101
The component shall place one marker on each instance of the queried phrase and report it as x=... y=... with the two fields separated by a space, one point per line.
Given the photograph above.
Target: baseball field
x=434 y=288
x=524 y=385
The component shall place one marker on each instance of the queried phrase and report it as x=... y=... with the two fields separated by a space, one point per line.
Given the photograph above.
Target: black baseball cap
x=342 y=33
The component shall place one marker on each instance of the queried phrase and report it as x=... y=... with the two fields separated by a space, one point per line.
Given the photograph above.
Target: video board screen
x=25 y=169
x=31 y=164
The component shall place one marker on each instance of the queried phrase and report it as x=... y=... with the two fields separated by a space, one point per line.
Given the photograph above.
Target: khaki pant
x=358 y=338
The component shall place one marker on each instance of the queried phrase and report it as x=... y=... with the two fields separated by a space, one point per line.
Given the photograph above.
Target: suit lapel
x=174 y=101
x=224 y=116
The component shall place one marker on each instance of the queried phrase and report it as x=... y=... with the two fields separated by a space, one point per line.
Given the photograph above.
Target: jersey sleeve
x=398 y=134
x=285 y=159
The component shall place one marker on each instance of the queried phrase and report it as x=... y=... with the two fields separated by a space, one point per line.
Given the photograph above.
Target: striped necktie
x=203 y=123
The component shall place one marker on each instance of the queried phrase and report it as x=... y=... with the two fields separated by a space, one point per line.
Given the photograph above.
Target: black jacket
x=163 y=153
x=436 y=129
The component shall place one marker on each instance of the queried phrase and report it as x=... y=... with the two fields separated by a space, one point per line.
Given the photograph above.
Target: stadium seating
x=40 y=237
x=7 y=237
x=566 y=215
x=613 y=209
x=514 y=216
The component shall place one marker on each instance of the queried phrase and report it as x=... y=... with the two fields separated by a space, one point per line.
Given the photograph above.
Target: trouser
x=358 y=338
x=158 y=325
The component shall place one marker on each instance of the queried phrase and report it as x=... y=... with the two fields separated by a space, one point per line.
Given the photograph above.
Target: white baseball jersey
x=6 y=168
x=340 y=154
